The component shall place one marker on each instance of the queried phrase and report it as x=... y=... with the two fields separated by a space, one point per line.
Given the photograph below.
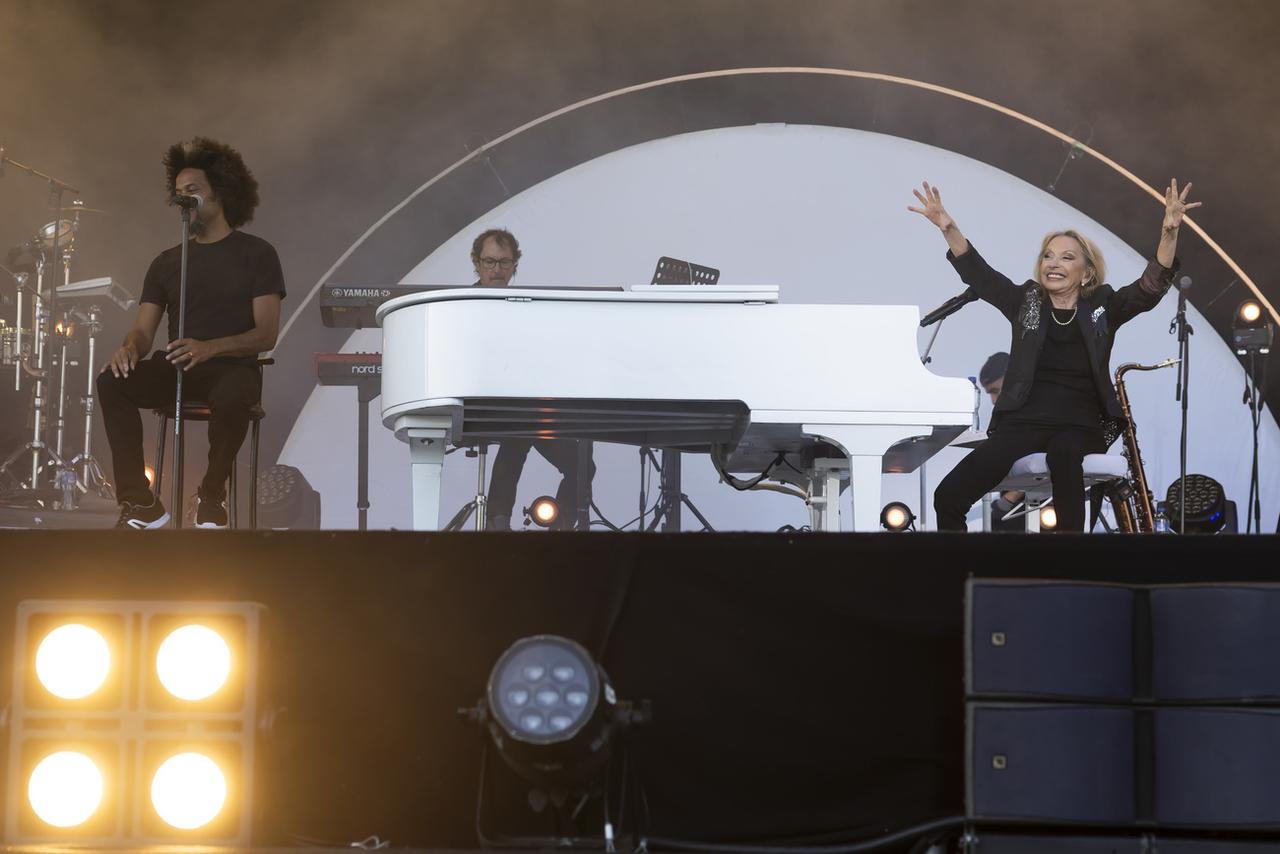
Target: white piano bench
x=1030 y=476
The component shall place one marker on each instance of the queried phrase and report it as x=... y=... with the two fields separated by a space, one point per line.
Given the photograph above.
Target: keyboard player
x=495 y=253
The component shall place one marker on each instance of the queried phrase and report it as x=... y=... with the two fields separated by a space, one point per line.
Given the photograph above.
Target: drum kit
x=50 y=333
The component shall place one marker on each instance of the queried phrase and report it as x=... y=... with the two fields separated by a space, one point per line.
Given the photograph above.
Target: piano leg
x=864 y=445
x=427 y=437
x=824 y=489
x=865 y=482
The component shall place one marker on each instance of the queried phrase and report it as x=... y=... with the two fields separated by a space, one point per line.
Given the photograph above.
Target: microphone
x=186 y=201
x=949 y=307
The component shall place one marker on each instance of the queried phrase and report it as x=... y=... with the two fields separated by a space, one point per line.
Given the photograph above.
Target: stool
x=199 y=411
x=1030 y=475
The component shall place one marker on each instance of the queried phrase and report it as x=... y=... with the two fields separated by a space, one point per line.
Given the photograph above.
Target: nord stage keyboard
x=362 y=369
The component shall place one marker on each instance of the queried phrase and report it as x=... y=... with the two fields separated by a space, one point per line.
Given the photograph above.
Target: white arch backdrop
x=821 y=212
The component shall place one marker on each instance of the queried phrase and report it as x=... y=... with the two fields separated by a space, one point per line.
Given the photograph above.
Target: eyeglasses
x=504 y=263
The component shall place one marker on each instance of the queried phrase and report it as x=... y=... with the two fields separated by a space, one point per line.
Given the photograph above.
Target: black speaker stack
x=1150 y=713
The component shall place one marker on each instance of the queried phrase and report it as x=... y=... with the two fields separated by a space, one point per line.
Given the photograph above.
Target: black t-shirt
x=1063 y=392
x=223 y=278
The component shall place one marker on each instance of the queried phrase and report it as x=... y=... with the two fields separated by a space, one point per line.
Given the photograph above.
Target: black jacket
x=1101 y=314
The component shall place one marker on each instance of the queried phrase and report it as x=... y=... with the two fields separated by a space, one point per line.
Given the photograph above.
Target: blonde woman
x=1057 y=395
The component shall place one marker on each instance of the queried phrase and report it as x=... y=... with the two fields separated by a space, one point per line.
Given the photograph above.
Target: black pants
x=989 y=463
x=230 y=388
x=561 y=453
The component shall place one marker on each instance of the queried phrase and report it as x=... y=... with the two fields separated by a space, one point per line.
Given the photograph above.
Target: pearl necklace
x=1067 y=322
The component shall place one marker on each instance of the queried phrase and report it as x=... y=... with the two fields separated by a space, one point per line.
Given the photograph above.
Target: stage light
x=1251 y=330
x=552 y=712
x=73 y=661
x=188 y=791
x=286 y=500
x=1048 y=518
x=150 y=474
x=193 y=662
x=543 y=512
x=65 y=789
x=896 y=517
x=1207 y=505
x=161 y=750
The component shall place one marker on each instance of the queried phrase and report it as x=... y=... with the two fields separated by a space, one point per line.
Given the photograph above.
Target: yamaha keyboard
x=720 y=370
x=355 y=306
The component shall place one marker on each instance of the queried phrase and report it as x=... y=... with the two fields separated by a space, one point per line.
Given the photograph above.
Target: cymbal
x=66 y=209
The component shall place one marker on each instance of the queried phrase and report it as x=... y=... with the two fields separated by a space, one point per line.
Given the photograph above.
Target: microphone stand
x=923 y=516
x=177 y=399
x=1182 y=392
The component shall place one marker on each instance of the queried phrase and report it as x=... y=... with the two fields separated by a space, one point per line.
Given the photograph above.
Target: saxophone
x=1131 y=500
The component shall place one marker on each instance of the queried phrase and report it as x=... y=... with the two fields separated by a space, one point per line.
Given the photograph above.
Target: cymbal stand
x=63 y=331
x=91 y=476
x=36 y=447
x=21 y=279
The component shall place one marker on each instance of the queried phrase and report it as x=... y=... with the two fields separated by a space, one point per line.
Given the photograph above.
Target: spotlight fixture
x=896 y=517
x=188 y=791
x=65 y=789
x=193 y=662
x=73 y=661
x=1207 y=505
x=553 y=714
x=1251 y=330
x=543 y=512
x=1048 y=518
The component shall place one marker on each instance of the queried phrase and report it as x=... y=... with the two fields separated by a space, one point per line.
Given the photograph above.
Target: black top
x=223 y=278
x=1063 y=392
x=1100 y=314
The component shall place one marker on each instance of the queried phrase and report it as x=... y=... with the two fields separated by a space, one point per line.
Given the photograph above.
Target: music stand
x=673 y=271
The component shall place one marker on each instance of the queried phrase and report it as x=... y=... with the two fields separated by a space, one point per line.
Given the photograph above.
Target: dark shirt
x=1063 y=392
x=223 y=278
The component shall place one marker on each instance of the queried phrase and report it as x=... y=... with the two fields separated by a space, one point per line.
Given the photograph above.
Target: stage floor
x=804 y=686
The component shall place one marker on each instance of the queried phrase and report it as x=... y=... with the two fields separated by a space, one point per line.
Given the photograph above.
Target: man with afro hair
x=234 y=289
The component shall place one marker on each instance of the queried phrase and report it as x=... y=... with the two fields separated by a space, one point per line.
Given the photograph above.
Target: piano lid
x=754 y=294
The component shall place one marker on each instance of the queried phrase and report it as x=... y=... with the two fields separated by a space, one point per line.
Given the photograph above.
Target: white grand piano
x=712 y=369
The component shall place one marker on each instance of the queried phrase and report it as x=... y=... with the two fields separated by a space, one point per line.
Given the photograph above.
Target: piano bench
x=1030 y=475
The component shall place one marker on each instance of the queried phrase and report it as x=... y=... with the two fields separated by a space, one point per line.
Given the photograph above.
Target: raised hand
x=933 y=209
x=1176 y=205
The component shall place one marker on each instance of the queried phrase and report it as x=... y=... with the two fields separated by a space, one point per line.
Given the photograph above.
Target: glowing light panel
x=65 y=789
x=193 y=662
x=73 y=661
x=188 y=791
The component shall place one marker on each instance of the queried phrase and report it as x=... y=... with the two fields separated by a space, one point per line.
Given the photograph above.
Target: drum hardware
x=46 y=247
x=91 y=476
